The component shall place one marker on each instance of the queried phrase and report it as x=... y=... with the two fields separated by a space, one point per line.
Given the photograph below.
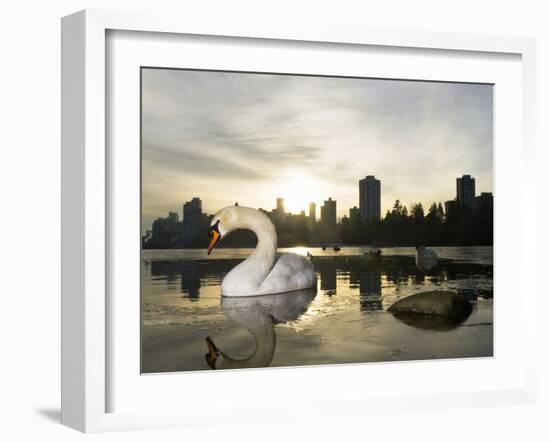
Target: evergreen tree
x=417 y=213
x=432 y=218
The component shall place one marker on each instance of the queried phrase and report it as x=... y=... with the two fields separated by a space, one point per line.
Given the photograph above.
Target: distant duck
x=324 y=247
x=264 y=272
x=336 y=248
x=426 y=258
x=373 y=257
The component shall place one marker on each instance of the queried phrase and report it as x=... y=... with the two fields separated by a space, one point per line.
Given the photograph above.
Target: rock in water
x=436 y=303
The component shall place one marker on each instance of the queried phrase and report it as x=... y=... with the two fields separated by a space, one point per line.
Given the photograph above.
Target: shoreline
x=328 y=246
x=474 y=254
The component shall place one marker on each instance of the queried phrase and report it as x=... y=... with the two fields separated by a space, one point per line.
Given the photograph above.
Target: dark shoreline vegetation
x=462 y=227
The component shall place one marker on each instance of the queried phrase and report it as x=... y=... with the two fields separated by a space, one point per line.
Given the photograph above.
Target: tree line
x=403 y=227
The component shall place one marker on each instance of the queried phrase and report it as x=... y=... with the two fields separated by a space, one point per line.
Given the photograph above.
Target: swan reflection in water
x=259 y=315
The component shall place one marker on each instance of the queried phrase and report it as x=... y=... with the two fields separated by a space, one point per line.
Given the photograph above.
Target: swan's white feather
x=291 y=272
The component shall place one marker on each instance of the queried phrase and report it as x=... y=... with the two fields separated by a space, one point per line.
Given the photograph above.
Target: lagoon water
x=344 y=321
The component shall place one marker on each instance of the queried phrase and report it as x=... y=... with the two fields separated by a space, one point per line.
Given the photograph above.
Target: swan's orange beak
x=214 y=238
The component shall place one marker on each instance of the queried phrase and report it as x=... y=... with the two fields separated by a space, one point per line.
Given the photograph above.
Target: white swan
x=426 y=258
x=264 y=272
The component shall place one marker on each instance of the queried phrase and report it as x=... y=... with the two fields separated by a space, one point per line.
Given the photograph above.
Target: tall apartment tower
x=192 y=215
x=328 y=212
x=484 y=205
x=280 y=206
x=466 y=191
x=312 y=209
x=369 y=198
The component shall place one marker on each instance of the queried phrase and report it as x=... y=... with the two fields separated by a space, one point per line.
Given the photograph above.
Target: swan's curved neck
x=246 y=278
x=263 y=256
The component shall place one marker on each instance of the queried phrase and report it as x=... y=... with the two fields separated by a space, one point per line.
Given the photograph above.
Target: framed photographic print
x=250 y=212
x=292 y=143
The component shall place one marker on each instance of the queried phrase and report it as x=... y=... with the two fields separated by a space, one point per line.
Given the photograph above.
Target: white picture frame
x=86 y=205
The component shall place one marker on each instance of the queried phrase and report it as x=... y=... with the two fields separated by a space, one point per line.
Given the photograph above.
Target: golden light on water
x=298 y=250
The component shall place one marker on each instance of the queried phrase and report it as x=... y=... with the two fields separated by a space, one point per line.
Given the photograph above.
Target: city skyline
x=316 y=212
x=195 y=222
x=253 y=137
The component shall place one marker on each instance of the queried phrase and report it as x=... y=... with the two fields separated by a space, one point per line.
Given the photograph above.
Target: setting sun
x=298 y=188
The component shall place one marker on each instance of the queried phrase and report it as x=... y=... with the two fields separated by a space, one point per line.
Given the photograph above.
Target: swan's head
x=236 y=217
x=223 y=223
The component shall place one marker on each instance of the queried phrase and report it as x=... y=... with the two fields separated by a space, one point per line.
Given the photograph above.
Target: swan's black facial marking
x=215 y=236
x=215 y=228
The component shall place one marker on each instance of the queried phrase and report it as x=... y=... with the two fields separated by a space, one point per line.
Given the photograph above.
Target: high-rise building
x=280 y=206
x=312 y=210
x=173 y=217
x=451 y=210
x=484 y=205
x=166 y=231
x=466 y=191
x=192 y=217
x=158 y=233
x=369 y=198
x=328 y=213
x=484 y=218
x=354 y=214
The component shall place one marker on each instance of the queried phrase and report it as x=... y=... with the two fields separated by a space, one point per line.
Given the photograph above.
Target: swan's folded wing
x=290 y=272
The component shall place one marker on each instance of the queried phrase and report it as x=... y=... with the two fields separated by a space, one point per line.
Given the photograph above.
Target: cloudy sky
x=227 y=137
